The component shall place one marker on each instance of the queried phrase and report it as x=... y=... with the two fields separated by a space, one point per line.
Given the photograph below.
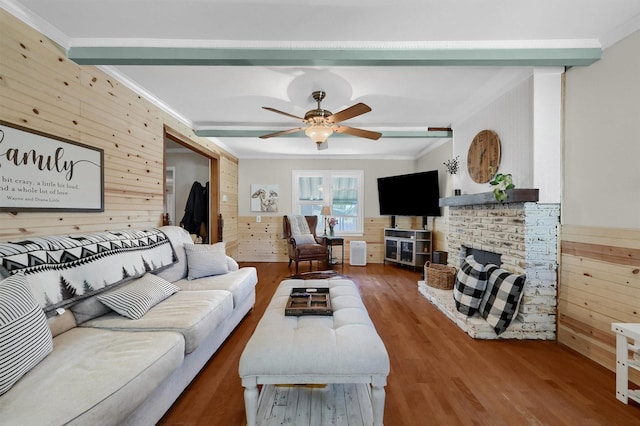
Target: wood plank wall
x=599 y=285
x=229 y=208
x=262 y=242
x=42 y=90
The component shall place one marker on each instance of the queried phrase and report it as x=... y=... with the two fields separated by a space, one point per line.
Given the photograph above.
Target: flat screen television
x=415 y=194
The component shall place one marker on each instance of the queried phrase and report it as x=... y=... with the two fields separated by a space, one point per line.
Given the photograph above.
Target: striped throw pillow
x=25 y=338
x=133 y=300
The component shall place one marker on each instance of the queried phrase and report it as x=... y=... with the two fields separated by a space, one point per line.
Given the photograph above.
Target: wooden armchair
x=313 y=249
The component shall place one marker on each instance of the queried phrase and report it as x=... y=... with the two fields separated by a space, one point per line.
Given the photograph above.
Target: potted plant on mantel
x=453 y=166
x=501 y=183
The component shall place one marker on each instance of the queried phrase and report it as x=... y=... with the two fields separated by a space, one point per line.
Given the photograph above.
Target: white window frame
x=327 y=196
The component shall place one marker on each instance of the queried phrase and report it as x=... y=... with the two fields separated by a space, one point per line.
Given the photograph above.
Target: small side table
x=624 y=332
x=335 y=241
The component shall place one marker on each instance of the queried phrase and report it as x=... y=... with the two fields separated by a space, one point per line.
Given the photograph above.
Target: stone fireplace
x=525 y=235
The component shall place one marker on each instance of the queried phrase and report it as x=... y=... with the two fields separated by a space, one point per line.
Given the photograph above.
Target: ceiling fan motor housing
x=317 y=115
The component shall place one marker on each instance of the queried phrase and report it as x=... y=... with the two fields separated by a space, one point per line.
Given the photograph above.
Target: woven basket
x=440 y=276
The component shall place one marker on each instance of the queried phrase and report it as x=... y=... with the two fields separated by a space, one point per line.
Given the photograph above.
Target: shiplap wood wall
x=599 y=285
x=229 y=208
x=262 y=242
x=42 y=90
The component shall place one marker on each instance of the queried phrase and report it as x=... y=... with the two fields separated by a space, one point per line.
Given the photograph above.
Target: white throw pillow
x=232 y=264
x=206 y=260
x=25 y=337
x=304 y=239
x=133 y=300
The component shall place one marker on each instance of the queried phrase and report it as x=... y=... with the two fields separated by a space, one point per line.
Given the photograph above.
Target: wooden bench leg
x=377 y=401
x=250 y=400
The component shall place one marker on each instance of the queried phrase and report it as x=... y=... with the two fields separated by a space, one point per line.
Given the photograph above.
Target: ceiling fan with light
x=322 y=123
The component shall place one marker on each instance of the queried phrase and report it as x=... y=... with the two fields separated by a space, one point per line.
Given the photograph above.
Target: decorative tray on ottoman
x=309 y=301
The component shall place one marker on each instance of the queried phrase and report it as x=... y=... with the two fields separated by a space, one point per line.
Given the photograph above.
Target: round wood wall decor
x=483 y=157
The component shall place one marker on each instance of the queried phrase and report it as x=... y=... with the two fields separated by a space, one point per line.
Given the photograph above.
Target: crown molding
x=36 y=22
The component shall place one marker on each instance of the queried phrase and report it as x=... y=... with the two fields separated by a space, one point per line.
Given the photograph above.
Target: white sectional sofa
x=105 y=368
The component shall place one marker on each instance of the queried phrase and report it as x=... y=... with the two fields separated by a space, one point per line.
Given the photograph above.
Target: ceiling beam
x=214 y=56
x=395 y=134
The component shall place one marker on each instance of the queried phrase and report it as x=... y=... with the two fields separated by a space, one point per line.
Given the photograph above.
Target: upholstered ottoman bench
x=313 y=349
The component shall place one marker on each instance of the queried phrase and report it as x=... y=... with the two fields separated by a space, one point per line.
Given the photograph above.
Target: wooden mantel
x=514 y=196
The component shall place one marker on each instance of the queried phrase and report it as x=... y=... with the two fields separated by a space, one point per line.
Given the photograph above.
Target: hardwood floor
x=439 y=375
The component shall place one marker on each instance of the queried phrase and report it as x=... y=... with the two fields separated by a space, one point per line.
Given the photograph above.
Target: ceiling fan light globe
x=318 y=133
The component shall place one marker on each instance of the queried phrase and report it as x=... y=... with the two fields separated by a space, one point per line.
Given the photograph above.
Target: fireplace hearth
x=524 y=234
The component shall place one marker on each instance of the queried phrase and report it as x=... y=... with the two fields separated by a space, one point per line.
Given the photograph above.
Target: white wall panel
x=279 y=172
x=511 y=117
x=602 y=140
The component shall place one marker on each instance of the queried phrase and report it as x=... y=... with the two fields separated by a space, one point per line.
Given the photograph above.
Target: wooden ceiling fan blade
x=284 y=132
x=345 y=114
x=368 y=134
x=277 y=111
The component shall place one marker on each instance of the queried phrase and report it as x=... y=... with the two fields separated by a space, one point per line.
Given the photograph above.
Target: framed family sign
x=41 y=172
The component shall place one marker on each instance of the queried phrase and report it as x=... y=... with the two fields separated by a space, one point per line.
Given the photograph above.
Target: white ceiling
x=404 y=98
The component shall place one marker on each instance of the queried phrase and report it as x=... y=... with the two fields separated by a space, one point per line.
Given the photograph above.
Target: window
x=342 y=190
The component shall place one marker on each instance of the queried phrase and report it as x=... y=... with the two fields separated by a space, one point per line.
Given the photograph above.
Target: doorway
x=203 y=167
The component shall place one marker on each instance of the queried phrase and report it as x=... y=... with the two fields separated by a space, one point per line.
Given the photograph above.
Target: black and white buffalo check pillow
x=502 y=298
x=470 y=285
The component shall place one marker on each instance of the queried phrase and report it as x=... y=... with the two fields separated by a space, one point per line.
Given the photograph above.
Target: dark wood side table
x=335 y=241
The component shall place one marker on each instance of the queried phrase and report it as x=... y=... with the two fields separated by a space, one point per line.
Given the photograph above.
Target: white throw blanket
x=62 y=270
x=300 y=230
x=299 y=225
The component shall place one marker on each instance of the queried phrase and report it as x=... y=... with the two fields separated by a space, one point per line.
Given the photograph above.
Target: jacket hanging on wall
x=196 y=212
